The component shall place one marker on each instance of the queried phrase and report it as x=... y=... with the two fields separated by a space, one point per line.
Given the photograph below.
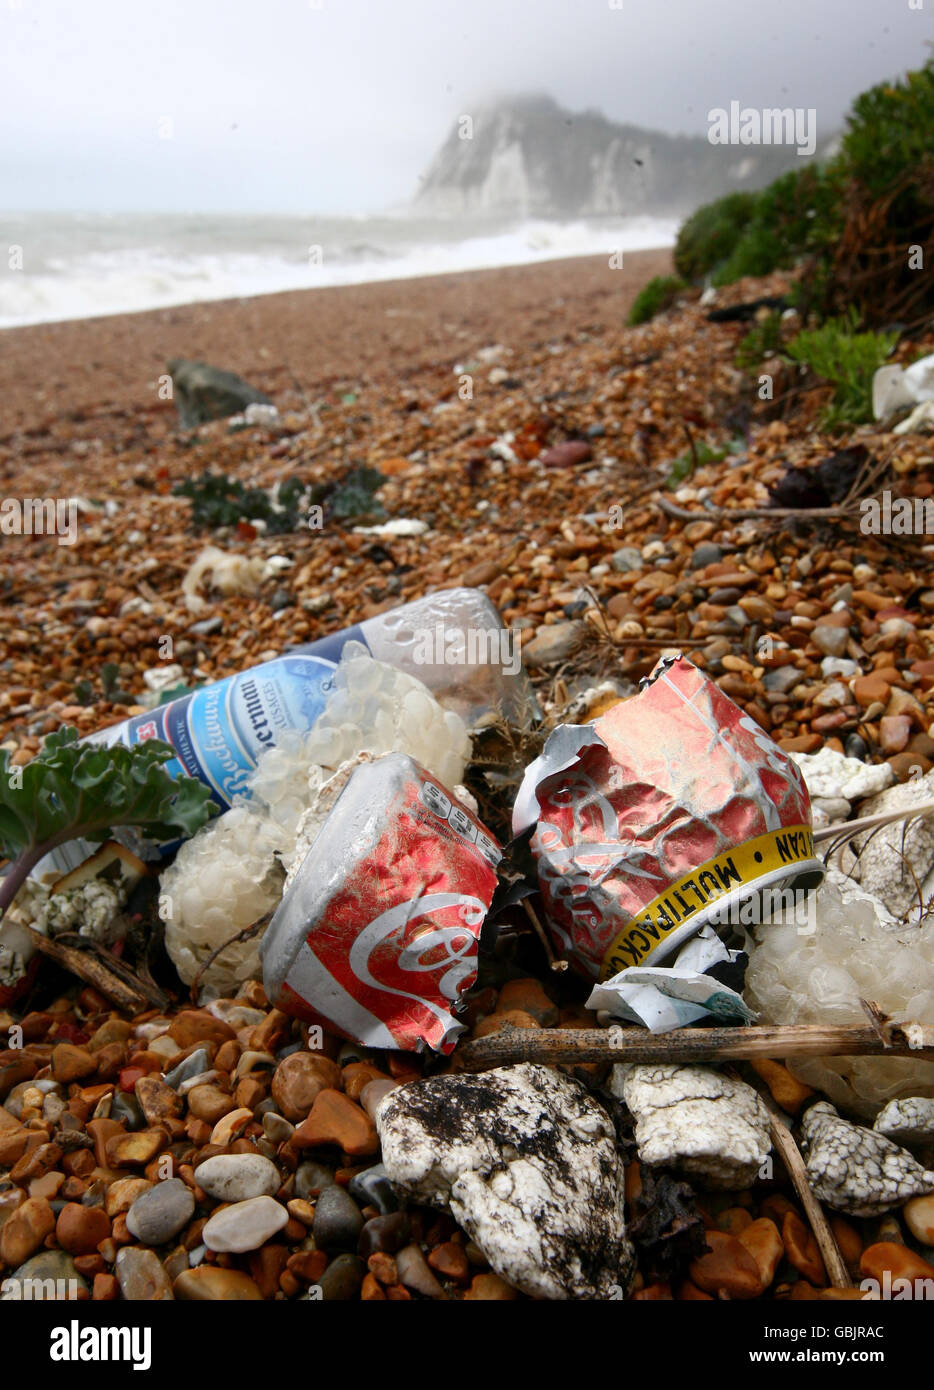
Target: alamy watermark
x=40 y=516
x=772 y=125
x=473 y=646
x=896 y=516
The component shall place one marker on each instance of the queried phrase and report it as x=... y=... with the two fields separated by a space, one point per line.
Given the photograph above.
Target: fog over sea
x=82 y=265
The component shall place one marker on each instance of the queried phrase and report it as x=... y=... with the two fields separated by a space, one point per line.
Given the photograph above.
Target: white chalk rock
x=697 y=1120
x=831 y=774
x=527 y=1162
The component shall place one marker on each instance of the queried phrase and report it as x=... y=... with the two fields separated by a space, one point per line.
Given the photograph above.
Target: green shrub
x=838 y=354
x=886 y=165
x=797 y=214
x=710 y=234
x=658 y=294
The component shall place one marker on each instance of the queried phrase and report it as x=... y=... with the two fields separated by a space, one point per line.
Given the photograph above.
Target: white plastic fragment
x=820 y=976
x=856 y=1170
x=697 y=1120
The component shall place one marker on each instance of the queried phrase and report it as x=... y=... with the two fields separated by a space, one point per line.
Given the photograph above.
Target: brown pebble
x=298 y=1081
x=70 y=1063
x=335 y=1119
x=80 y=1229
x=25 y=1230
x=208 y=1283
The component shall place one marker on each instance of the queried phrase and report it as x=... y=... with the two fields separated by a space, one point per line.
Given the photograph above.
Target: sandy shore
x=313 y=336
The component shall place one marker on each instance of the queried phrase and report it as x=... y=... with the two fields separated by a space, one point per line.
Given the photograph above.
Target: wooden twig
x=88 y=967
x=244 y=935
x=553 y=962
x=787 y=1150
x=753 y=513
x=568 y=1046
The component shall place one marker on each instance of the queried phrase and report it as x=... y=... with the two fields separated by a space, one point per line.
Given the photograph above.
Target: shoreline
x=311 y=336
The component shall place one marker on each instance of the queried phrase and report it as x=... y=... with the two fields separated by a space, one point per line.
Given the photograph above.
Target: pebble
x=918 y=1215
x=312 y=1178
x=80 y=1229
x=216 y=1285
x=781 y=679
x=552 y=644
x=159 y=1214
x=384 y=1233
x=338 y=1220
x=193 y=1065
x=373 y=1188
x=830 y=640
x=626 y=559
x=728 y=1269
x=244 y=1225
x=707 y=553
x=48 y=1264
x=71 y=1063
x=25 y=1230
x=415 y=1272
x=894 y=733
x=372 y=1095
x=342 y=1280
x=238 y=1177
x=336 y=1120
x=141 y=1276
x=566 y=455
x=299 y=1079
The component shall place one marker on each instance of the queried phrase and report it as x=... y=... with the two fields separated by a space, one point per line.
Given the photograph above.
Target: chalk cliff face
x=528 y=157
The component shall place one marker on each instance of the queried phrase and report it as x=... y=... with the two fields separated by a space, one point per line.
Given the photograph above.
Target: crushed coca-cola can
x=665 y=813
x=376 y=939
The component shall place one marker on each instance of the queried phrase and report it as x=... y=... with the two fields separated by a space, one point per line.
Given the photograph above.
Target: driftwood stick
x=752 y=513
x=567 y=1046
x=788 y=1152
x=89 y=968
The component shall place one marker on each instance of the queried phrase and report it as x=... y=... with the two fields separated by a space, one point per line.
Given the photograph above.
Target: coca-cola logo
x=447 y=950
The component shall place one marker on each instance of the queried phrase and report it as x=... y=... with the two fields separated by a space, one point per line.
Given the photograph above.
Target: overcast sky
x=338 y=105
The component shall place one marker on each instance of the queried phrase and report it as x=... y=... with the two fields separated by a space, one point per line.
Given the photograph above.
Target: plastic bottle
x=453 y=641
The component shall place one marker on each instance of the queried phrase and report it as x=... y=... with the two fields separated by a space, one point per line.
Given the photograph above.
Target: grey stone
x=373 y=1188
x=312 y=1178
x=342 y=1279
x=126 y=1108
x=830 y=640
x=192 y=1065
x=203 y=392
x=159 y=1214
x=338 y=1220
x=781 y=679
x=52 y=1265
x=707 y=553
x=628 y=557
